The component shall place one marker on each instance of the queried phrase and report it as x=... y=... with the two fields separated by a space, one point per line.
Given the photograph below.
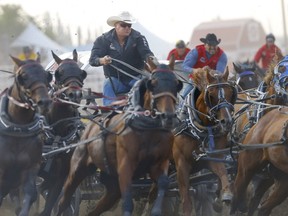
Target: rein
x=145 y=74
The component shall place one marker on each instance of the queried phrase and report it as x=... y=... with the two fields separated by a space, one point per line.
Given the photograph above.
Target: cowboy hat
x=210 y=39
x=122 y=17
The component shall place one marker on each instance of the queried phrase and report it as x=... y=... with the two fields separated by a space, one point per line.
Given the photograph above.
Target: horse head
x=276 y=81
x=31 y=85
x=247 y=78
x=217 y=98
x=161 y=94
x=69 y=77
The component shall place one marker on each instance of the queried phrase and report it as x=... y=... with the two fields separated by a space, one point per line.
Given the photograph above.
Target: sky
x=170 y=20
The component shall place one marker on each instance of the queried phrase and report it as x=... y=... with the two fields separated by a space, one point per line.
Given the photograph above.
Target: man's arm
x=98 y=53
x=190 y=60
x=222 y=63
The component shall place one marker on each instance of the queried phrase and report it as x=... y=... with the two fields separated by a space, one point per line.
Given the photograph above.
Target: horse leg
x=56 y=185
x=183 y=174
x=249 y=162
x=79 y=170
x=30 y=191
x=220 y=170
x=111 y=196
x=259 y=191
x=160 y=172
x=15 y=198
x=125 y=171
x=277 y=196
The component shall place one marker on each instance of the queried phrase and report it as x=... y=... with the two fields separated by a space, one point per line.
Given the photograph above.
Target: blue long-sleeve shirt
x=191 y=59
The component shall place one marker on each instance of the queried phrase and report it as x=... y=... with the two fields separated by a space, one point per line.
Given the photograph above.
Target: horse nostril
x=44 y=102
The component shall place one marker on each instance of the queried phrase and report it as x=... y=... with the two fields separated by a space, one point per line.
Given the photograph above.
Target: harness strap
x=211 y=143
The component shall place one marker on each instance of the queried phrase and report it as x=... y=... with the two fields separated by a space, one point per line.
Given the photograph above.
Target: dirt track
x=7 y=209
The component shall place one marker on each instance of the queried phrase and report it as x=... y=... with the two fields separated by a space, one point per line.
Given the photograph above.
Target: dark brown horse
x=253 y=161
x=21 y=130
x=130 y=144
x=247 y=77
x=209 y=110
x=64 y=120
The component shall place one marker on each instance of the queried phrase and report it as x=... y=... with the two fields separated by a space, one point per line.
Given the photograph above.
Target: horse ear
x=226 y=74
x=38 y=57
x=152 y=62
x=236 y=68
x=209 y=77
x=75 y=55
x=49 y=76
x=172 y=62
x=84 y=74
x=17 y=61
x=56 y=58
x=179 y=85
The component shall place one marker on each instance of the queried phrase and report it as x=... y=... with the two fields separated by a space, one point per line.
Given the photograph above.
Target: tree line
x=14 y=20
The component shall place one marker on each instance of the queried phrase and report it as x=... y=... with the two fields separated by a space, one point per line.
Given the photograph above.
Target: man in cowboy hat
x=122 y=43
x=207 y=54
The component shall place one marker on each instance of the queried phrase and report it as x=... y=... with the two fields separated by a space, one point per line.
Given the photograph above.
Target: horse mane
x=200 y=77
x=270 y=71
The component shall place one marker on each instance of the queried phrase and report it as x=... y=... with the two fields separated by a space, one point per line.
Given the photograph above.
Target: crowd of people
x=125 y=44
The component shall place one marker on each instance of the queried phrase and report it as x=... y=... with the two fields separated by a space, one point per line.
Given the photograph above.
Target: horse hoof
x=127 y=213
x=227 y=196
x=217 y=205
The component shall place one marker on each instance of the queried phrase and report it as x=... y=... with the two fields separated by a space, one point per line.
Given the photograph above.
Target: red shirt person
x=266 y=53
x=180 y=51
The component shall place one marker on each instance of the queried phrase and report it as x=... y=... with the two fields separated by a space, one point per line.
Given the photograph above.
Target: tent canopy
x=32 y=36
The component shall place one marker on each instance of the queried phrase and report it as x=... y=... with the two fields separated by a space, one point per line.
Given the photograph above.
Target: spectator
x=122 y=43
x=207 y=54
x=266 y=52
x=180 y=51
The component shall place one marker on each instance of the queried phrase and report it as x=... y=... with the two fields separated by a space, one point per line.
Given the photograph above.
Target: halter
x=25 y=96
x=281 y=78
x=222 y=102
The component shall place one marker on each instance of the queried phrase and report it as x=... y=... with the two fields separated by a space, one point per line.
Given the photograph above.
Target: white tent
x=32 y=36
x=158 y=46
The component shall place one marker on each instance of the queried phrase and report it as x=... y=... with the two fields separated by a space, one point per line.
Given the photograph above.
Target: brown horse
x=248 y=114
x=21 y=130
x=64 y=120
x=271 y=128
x=128 y=145
x=209 y=110
x=277 y=77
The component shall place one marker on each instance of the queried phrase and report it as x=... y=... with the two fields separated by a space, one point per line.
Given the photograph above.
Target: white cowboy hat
x=122 y=17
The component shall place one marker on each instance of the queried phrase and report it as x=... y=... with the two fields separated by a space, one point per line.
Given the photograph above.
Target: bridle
x=222 y=102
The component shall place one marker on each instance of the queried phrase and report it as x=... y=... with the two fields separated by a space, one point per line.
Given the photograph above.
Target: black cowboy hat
x=210 y=39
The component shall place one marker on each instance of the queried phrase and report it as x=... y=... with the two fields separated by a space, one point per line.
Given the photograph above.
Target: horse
x=267 y=92
x=246 y=171
x=130 y=144
x=64 y=120
x=209 y=110
x=22 y=130
x=247 y=77
x=271 y=128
